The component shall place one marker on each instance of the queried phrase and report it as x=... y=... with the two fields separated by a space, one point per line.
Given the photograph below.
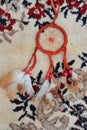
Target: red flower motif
x=6 y=22
x=55 y=2
x=61 y=2
x=37 y=11
x=72 y=3
x=83 y=9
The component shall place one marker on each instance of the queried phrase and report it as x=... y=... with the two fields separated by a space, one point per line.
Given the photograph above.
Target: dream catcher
x=56 y=83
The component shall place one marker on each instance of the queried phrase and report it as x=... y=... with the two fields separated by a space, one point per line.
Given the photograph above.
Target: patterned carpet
x=20 y=21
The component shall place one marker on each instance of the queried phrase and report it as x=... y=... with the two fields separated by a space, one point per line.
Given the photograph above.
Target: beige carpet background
x=16 y=54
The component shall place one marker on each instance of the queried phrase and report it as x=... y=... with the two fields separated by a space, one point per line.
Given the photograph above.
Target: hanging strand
x=33 y=56
x=54 y=9
x=50 y=70
x=66 y=66
x=32 y=66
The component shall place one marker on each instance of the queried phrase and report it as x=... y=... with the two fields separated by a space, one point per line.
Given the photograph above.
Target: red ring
x=50 y=53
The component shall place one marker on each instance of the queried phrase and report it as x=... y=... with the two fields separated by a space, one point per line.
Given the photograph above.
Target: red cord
x=54 y=9
x=33 y=57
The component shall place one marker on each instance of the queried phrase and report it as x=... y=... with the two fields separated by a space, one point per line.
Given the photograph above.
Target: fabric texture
x=20 y=21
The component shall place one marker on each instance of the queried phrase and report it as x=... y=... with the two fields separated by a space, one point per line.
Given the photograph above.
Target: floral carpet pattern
x=14 y=15
x=20 y=20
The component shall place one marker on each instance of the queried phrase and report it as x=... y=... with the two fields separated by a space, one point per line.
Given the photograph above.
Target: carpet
x=20 y=21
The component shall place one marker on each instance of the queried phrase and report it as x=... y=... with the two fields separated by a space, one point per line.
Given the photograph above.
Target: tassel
x=44 y=89
x=74 y=76
x=47 y=87
x=21 y=77
x=18 y=76
x=28 y=84
x=49 y=96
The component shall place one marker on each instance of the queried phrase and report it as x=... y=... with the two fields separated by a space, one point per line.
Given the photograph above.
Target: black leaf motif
x=74 y=113
x=65 y=110
x=14 y=7
x=79 y=107
x=78 y=17
x=62 y=65
x=73 y=128
x=22 y=96
x=48 y=13
x=9 y=1
x=66 y=13
x=84 y=54
x=32 y=79
x=71 y=62
x=33 y=109
x=65 y=102
x=57 y=67
x=63 y=8
x=85 y=99
x=82 y=122
x=45 y=23
x=84 y=59
x=19 y=108
x=2 y=2
x=25 y=22
x=37 y=23
x=31 y=117
x=39 y=76
x=26 y=3
x=83 y=64
x=65 y=90
x=25 y=105
x=22 y=116
x=16 y=101
x=84 y=20
x=74 y=12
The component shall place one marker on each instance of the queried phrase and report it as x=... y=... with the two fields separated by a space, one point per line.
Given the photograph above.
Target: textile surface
x=20 y=21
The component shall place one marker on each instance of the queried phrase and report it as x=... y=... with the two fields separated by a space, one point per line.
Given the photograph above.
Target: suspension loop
x=56 y=11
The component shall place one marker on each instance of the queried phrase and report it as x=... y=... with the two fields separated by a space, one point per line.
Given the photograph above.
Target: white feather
x=44 y=89
x=18 y=76
x=52 y=85
x=49 y=96
x=74 y=76
x=22 y=78
x=28 y=85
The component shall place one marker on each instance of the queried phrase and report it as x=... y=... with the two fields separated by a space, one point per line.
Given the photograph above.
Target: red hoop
x=50 y=53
